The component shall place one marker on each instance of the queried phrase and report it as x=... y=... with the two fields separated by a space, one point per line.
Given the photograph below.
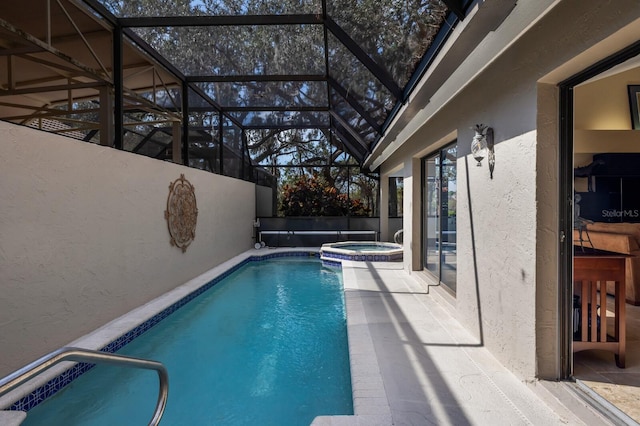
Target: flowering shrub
x=313 y=196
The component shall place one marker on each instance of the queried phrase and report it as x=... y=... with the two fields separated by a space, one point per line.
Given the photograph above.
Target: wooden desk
x=589 y=268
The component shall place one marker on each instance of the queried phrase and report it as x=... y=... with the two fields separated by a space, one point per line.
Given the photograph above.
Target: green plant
x=314 y=196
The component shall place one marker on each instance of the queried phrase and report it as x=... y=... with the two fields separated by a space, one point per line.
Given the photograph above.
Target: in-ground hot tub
x=362 y=251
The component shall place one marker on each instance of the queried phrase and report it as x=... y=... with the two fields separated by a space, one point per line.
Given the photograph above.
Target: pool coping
x=370 y=401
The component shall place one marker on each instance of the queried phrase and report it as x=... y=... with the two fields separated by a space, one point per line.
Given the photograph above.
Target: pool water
x=267 y=345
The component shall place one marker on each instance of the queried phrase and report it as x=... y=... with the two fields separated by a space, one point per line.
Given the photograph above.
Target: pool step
x=12 y=418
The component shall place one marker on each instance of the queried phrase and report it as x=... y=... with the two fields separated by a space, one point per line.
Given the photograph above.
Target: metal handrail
x=26 y=373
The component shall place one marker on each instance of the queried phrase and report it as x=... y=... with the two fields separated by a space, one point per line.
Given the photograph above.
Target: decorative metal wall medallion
x=181 y=213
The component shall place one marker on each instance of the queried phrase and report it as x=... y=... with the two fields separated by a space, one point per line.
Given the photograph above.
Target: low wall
x=315 y=224
x=83 y=238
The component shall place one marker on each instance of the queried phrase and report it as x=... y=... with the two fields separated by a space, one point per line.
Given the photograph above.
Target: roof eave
x=482 y=18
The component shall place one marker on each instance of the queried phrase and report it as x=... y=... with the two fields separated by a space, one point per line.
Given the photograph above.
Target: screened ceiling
x=343 y=67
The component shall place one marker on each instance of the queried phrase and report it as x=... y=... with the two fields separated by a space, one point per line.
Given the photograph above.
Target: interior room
x=607 y=217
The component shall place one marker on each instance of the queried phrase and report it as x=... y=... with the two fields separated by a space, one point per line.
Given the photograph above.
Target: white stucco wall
x=507 y=276
x=83 y=238
x=496 y=292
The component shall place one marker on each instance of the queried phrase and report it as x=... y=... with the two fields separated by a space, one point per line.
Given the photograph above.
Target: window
x=396 y=186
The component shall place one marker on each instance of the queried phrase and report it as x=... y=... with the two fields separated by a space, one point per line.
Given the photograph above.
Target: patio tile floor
x=430 y=369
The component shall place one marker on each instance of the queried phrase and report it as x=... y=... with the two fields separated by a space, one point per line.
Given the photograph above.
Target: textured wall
x=83 y=237
x=507 y=276
x=548 y=353
x=497 y=251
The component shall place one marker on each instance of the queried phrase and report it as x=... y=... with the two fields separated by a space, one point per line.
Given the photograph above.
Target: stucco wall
x=507 y=276
x=83 y=238
x=548 y=352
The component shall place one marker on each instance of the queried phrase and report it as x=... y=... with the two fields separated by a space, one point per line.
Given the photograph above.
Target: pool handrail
x=33 y=369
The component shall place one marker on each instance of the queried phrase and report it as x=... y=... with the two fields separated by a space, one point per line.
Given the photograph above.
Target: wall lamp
x=482 y=146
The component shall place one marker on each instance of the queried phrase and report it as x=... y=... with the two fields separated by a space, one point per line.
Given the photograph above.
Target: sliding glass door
x=439 y=215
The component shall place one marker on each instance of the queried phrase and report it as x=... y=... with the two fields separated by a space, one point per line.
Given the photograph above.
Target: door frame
x=565 y=214
x=423 y=214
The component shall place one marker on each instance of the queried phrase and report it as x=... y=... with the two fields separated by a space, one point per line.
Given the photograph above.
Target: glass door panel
x=448 y=250
x=439 y=215
x=431 y=225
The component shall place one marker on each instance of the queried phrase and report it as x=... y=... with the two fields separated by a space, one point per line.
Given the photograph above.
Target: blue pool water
x=265 y=346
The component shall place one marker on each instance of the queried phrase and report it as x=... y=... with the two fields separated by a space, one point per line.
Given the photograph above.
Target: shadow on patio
x=433 y=371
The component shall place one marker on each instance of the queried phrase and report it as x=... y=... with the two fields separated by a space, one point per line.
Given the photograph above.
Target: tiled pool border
x=332 y=254
x=361 y=257
x=56 y=384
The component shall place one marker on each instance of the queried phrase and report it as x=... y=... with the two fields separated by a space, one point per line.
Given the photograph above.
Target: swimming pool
x=232 y=359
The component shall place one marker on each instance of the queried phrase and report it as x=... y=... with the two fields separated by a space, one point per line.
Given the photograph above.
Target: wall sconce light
x=482 y=146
